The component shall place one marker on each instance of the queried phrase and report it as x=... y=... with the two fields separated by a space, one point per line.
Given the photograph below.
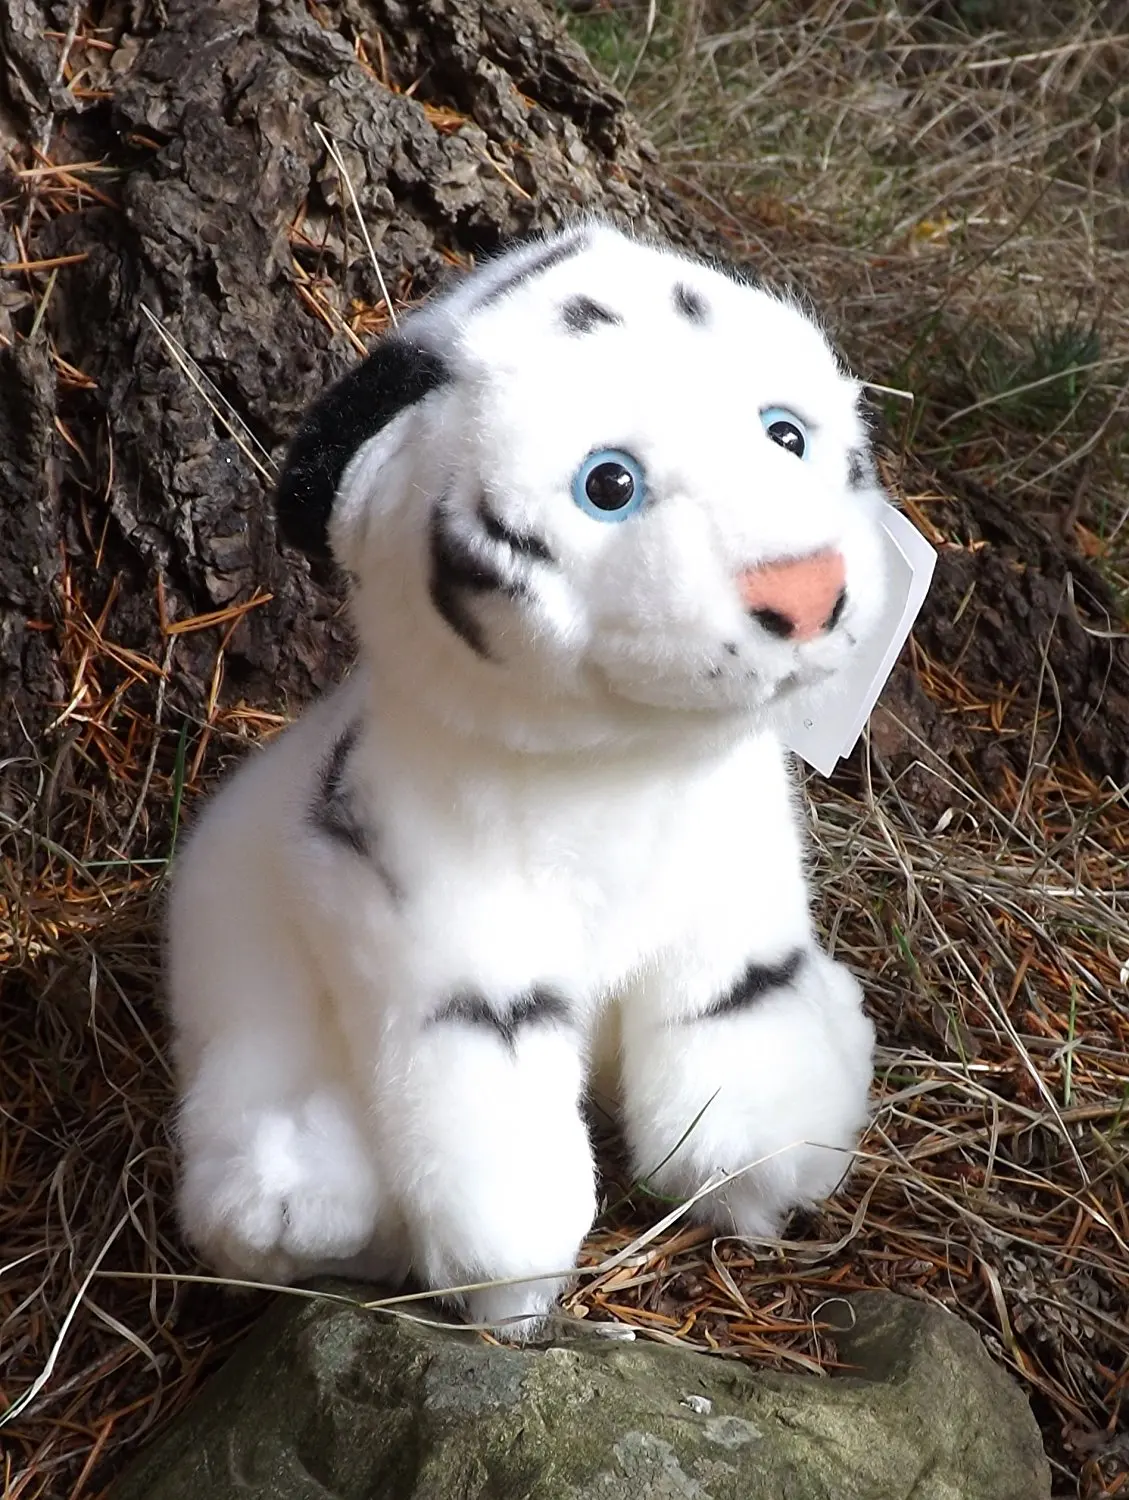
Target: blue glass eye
x=786 y=429
x=609 y=485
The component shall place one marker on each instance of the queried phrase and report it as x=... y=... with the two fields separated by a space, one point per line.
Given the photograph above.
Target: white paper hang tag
x=822 y=724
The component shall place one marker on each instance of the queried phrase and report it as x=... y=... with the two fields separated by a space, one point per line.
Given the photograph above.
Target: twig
x=339 y=162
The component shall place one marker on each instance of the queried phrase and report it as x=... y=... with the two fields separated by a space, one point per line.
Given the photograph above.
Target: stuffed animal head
x=603 y=480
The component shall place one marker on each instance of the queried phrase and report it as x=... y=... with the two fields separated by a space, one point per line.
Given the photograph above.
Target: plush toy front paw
x=507 y=1239
x=299 y=1191
x=770 y=1093
x=511 y=1229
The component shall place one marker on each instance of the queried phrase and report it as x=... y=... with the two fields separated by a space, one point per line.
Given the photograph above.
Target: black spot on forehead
x=581 y=314
x=690 y=303
x=550 y=256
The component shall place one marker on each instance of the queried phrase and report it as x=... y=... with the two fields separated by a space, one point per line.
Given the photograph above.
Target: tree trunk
x=224 y=216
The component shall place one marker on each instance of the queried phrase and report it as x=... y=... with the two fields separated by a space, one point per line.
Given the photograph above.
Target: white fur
x=600 y=809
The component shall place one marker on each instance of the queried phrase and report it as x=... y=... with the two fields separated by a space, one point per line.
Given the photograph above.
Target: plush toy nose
x=799 y=599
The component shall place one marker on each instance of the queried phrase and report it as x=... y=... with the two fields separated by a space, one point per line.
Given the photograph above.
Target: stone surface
x=328 y=1400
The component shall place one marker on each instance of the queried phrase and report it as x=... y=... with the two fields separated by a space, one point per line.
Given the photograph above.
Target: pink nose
x=798 y=599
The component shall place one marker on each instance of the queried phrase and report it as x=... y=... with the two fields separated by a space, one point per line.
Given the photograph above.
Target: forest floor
x=952 y=193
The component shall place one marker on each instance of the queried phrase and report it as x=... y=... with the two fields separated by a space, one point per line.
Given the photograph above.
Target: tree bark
x=460 y=125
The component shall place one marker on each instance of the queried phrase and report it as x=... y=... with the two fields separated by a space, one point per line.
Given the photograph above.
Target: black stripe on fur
x=524 y=543
x=457 y=571
x=333 y=814
x=757 y=981
x=536 y=1006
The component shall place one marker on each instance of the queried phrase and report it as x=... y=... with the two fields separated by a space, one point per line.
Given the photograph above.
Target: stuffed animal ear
x=394 y=377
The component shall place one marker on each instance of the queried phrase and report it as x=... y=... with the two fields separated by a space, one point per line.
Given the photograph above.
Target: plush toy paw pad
x=301 y=1192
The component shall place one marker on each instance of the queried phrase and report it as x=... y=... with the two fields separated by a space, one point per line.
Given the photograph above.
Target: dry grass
x=946 y=194
x=953 y=193
x=993 y=1179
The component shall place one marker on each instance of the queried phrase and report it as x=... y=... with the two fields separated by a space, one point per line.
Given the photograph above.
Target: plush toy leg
x=494 y=1167
x=277 y=1175
x=772 y=1086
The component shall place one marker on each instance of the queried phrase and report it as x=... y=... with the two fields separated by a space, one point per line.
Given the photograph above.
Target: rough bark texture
x=29 y=524
x=460 y=124
x=211 y=125
x=1016 y=613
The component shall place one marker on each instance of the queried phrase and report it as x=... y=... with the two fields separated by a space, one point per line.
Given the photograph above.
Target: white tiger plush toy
x=603 y=508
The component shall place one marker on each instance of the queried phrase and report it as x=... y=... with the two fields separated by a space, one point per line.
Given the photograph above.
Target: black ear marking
x=690 y=304
x=757 y=980
x=393 y=377
x=582 y=315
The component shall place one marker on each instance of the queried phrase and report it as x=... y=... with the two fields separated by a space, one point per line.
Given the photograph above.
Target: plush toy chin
x=723 y=686
x=694 y=697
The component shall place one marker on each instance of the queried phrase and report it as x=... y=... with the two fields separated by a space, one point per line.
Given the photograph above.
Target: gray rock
x=326 y=1401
